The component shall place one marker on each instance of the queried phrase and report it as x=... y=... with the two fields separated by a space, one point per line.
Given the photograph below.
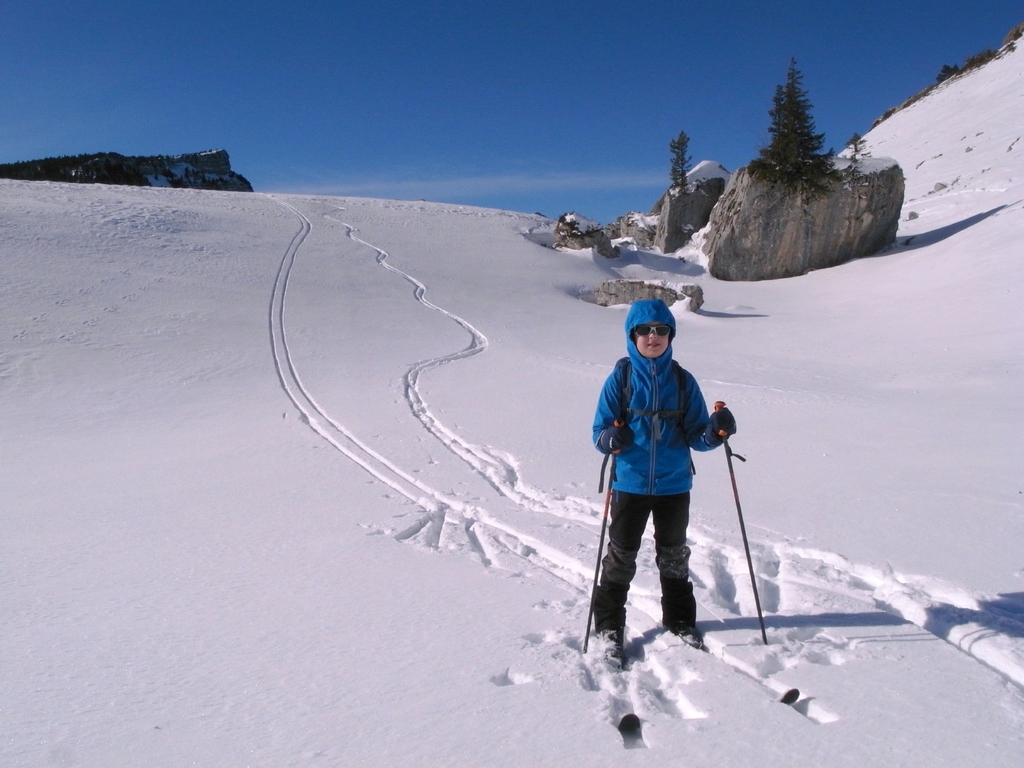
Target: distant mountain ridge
x=199 y=170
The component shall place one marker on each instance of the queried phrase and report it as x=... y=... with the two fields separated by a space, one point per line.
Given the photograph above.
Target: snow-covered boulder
x=638 y=226
x=578 y=232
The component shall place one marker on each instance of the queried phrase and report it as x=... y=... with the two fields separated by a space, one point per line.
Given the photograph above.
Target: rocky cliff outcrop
x=577 y=232
x=758 y=231
x=639 y=227
x=681 y=212
x=200 y=170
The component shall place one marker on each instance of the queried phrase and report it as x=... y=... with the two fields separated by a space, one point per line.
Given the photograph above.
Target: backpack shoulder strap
x=681 y=374
x=681 y=377
x=625 y=370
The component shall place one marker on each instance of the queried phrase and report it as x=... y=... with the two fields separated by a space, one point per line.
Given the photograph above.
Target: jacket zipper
x=655 y=402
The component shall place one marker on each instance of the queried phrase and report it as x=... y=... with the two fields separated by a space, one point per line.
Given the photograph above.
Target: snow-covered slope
x=308 y=481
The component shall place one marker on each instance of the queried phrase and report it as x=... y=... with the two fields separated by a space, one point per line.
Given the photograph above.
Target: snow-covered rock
x=577 y=232
x=612 y=292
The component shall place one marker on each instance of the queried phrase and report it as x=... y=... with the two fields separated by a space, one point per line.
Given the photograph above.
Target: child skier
x=650 y=414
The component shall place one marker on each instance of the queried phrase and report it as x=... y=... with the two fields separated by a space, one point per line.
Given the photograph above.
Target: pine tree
x=947 y=72
x=858 y=147
x=794 y=158
x=679 y=147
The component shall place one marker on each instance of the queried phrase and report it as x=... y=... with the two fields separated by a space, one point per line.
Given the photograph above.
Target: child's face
x=652 y=345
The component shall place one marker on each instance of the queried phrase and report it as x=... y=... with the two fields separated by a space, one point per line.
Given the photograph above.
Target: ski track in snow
x=656 y=681
x=498 y=468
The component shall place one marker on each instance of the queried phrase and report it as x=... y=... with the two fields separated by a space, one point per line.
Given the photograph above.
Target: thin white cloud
x=483 y=186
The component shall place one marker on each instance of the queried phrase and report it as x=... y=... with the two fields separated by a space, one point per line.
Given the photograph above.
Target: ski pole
x=600 y=546
x=743 y=528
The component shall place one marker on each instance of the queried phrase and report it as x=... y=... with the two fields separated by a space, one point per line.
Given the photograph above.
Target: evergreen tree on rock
x=680 y=148
x=794 y=158
x=858 y=150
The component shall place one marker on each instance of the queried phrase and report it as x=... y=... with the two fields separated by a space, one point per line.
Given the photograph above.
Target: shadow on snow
x=925 y=239
x=1004 y=616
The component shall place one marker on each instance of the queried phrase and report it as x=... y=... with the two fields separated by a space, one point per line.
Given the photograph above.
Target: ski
x=632 y=732
x=618 y=661
x=790 y=697
x=693 y=639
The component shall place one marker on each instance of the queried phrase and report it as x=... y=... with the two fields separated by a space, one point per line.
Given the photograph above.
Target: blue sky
x=531 y=105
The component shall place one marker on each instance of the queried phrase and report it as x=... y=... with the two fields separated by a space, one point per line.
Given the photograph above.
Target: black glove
x=615 y=438
x=722 y=424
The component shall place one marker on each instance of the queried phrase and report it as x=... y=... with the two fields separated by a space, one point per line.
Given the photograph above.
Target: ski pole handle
x=619 y=423
x=719 y=405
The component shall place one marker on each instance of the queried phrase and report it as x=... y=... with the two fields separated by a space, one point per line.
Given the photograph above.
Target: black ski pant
x=629 y=515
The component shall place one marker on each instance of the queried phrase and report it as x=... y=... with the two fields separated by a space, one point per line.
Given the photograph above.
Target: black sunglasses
x=646 y=330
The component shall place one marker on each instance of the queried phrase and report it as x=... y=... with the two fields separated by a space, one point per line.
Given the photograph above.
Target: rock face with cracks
x=681 y=212
x=759 y=231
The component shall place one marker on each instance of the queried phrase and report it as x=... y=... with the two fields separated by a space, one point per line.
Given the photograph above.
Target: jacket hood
x=649 y=311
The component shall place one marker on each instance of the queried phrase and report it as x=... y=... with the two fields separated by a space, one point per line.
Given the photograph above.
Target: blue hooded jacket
x=666 y=422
